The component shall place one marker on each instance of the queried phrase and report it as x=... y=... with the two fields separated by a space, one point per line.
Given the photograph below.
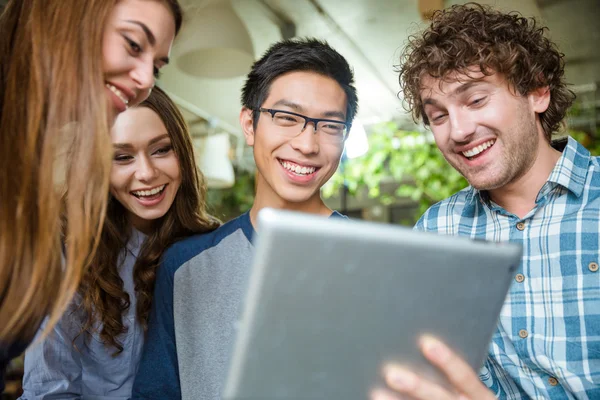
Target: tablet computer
x=330 y=301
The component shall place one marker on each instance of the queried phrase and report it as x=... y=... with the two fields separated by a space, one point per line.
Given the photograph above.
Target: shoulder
x=337 y=215
x=443 y=212
x=184 y=250
x=595 y=165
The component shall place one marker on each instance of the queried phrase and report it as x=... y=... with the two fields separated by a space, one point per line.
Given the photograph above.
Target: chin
x=153 y=215
x=485 y=185
x=296 y=197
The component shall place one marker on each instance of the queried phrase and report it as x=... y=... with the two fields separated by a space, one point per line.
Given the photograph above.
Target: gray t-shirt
x=197 y=302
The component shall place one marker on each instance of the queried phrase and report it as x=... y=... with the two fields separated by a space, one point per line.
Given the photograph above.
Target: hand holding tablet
x=332 y=301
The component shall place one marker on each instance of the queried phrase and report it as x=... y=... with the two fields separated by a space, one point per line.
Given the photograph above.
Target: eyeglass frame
x=315 y=121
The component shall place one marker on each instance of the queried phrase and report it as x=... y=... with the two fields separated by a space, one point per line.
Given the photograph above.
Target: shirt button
x=593 y=266
x=523 y=333
x=553 y=381
x=520 y=278
x=521 y=226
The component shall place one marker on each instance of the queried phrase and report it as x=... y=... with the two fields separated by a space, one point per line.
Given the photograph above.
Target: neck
x=518 y=197
x=143 y=225
x=266 y=197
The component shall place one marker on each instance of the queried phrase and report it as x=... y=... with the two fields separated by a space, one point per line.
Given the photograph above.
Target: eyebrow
x=149 y=35
x=459 y=90
x=128 y=146
x=297 y=107
x=468 y=85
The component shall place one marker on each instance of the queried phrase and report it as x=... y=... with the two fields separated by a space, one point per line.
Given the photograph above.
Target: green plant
x=226 y=204
x=587 y=140
x=410 y=159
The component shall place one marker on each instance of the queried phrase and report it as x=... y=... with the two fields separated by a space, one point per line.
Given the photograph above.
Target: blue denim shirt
x=57 y=368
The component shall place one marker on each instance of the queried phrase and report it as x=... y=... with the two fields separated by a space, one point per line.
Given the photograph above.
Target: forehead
x=447 y=86
x=311 y=91
x=155 y=14
x=137 y=126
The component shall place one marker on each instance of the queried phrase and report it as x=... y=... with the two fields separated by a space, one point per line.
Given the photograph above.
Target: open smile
x=120 y=98
x=297 y=169
x=476 y=151
x=149 y=194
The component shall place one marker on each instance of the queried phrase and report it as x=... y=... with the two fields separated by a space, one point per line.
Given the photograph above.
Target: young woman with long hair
x=67 y=69
x=156 y=197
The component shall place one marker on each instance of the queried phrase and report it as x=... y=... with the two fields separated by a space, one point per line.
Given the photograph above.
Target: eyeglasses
x=292 y=124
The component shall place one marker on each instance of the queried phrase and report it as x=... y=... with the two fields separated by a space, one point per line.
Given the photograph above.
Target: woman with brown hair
x=67 y=69
x=156 y=197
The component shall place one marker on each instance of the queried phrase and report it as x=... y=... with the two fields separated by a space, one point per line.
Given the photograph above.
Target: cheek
x=172 y=169
x=178 y=176
x=265 y=143
x=333 y=154
x=118 y=179
x=109 y=54
x=114 y=191
x=440 y=138
x=115 y=56
x=498 y=112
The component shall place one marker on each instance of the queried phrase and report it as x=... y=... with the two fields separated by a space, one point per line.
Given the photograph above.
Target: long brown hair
x=104 y=299
x=54 y=154
x=53 y=136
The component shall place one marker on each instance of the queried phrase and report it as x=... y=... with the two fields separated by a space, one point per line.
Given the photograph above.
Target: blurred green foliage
x=412 y=160
x=230 y=203
x=409 y=158
x=590 y=142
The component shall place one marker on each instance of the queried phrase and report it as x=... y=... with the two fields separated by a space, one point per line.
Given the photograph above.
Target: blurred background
x=392 y=170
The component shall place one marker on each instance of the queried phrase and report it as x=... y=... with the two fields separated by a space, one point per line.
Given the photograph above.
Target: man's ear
x=539 y=99
x=247 y=124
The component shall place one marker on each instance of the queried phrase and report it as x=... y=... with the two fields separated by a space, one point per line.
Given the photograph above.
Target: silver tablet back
x=330 y=301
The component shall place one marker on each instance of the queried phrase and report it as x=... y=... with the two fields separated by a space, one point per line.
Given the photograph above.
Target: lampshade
x=428 y=7
x=214 y=43
x=213 y=160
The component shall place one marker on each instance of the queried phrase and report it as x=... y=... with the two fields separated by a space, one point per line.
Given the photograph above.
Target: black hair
x=306 y=54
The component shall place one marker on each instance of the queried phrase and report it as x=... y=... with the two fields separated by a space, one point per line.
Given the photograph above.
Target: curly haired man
x=490 y=86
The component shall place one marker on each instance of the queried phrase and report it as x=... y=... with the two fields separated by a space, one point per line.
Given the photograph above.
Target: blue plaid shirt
x=547 y=345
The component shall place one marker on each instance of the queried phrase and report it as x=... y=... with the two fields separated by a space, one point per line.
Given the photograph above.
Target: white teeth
x=149 y=192
x=119 y=94
x=297 y=169
x=476 y=150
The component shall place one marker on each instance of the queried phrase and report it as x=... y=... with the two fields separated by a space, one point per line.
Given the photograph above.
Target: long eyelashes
x=135 y=47
x=164 y=150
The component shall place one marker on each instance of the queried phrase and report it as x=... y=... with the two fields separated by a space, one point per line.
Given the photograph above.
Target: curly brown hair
x=104 y=299
x=468 y=35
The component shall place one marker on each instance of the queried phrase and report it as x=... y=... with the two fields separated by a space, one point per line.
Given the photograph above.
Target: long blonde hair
x=54 y=134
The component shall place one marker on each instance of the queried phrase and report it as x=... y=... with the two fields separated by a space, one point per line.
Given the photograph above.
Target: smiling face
x=137 y=42
x=145 y=175
x=488 y=133
x=292 y=169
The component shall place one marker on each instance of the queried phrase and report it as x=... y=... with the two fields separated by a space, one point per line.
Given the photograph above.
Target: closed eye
x=333 y=126
x=287 y=118
x=437 y=117
x=478 y=101
x=163 y=150
x=135 y=47
x=122 y=158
